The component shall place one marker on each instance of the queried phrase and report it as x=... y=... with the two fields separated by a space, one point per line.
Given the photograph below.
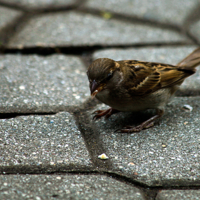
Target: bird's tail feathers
x=191 y=61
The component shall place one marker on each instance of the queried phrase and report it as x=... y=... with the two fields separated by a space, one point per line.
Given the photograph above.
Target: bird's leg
x=107 y=113
x=146 y=124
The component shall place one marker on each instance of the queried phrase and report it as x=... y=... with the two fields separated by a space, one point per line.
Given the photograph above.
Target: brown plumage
x=131 y=85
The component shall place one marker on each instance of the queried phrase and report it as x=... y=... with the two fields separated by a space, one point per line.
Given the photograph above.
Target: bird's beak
x=96 y=88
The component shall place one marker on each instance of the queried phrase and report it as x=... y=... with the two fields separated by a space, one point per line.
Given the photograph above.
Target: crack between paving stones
x=93 y=143
x=140 y=185
x=78 y=6
x=80 y=50
x=137 y=20
x=71 y=109
x=12 y=29
x=192 y=17
x=112 y=175
x=90 y=134
x=12 y=5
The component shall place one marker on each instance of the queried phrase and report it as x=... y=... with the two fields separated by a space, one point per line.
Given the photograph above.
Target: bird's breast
x=119 y=101
x=126 y=102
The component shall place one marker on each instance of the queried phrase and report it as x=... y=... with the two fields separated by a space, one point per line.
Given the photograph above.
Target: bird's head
x=100 y=73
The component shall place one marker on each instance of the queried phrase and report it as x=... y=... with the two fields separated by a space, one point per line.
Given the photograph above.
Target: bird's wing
x=148 y=77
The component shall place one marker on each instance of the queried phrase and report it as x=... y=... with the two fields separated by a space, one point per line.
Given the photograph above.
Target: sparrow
x=132 y=85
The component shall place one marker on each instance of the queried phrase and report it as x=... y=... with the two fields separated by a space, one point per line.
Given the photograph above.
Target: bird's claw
x=131 y=129
x=106 y=113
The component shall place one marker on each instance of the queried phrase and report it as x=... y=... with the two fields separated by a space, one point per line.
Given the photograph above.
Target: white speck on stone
x=52 y=163
x=45 y=62
x=22 y=87
x=188 y=107
x=131 y=164
x=45 y=92
x=103 y=156
x=77 y=97
x=58 y=177
x=25 y=100
x=77 y=71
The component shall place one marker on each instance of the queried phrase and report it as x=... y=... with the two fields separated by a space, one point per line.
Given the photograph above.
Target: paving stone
x=170 y=11
x=76 y=29
x=42 y=144
x=66 y=187
x=7 y=16
x=168 y=55
x=195 y=29
x=40 y=3
x=164 y=155
x=34 y=83
x=178 y=195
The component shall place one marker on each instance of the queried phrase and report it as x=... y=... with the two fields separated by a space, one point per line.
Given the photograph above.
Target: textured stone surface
x=195 y=29
x=40 y=3
x=62 y=149
x=38 y=144
x=168 y=55
x=7 y=16
x=32 y=84
x=66 y=187
x=178 y=195
x=74 y=29
x=163 y=11
x=164 y=155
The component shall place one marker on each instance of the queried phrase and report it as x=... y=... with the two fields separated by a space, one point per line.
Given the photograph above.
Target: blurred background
x=73 y=26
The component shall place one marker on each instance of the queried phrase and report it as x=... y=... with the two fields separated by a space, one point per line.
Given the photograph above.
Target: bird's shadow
x=123 y=119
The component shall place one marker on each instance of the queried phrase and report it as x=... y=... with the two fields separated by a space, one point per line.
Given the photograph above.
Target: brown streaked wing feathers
x=157 y=76
x=172 y=77
x=146 y=78
x=149 y=77
x=191 y=61
x=148 y=84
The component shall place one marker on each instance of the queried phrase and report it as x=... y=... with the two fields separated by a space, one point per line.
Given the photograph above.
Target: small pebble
x=188 y=107
x=22 y=87
x=103 y=156
x=131 y=163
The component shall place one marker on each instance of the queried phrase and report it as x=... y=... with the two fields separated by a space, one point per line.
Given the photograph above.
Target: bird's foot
x=146 y=124
x=106 y=113
x=131 y=129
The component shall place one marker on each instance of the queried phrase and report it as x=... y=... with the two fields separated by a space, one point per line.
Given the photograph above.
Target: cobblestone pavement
x=49 y=144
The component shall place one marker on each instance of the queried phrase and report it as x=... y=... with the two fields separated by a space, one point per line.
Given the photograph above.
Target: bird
x=132 y=85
